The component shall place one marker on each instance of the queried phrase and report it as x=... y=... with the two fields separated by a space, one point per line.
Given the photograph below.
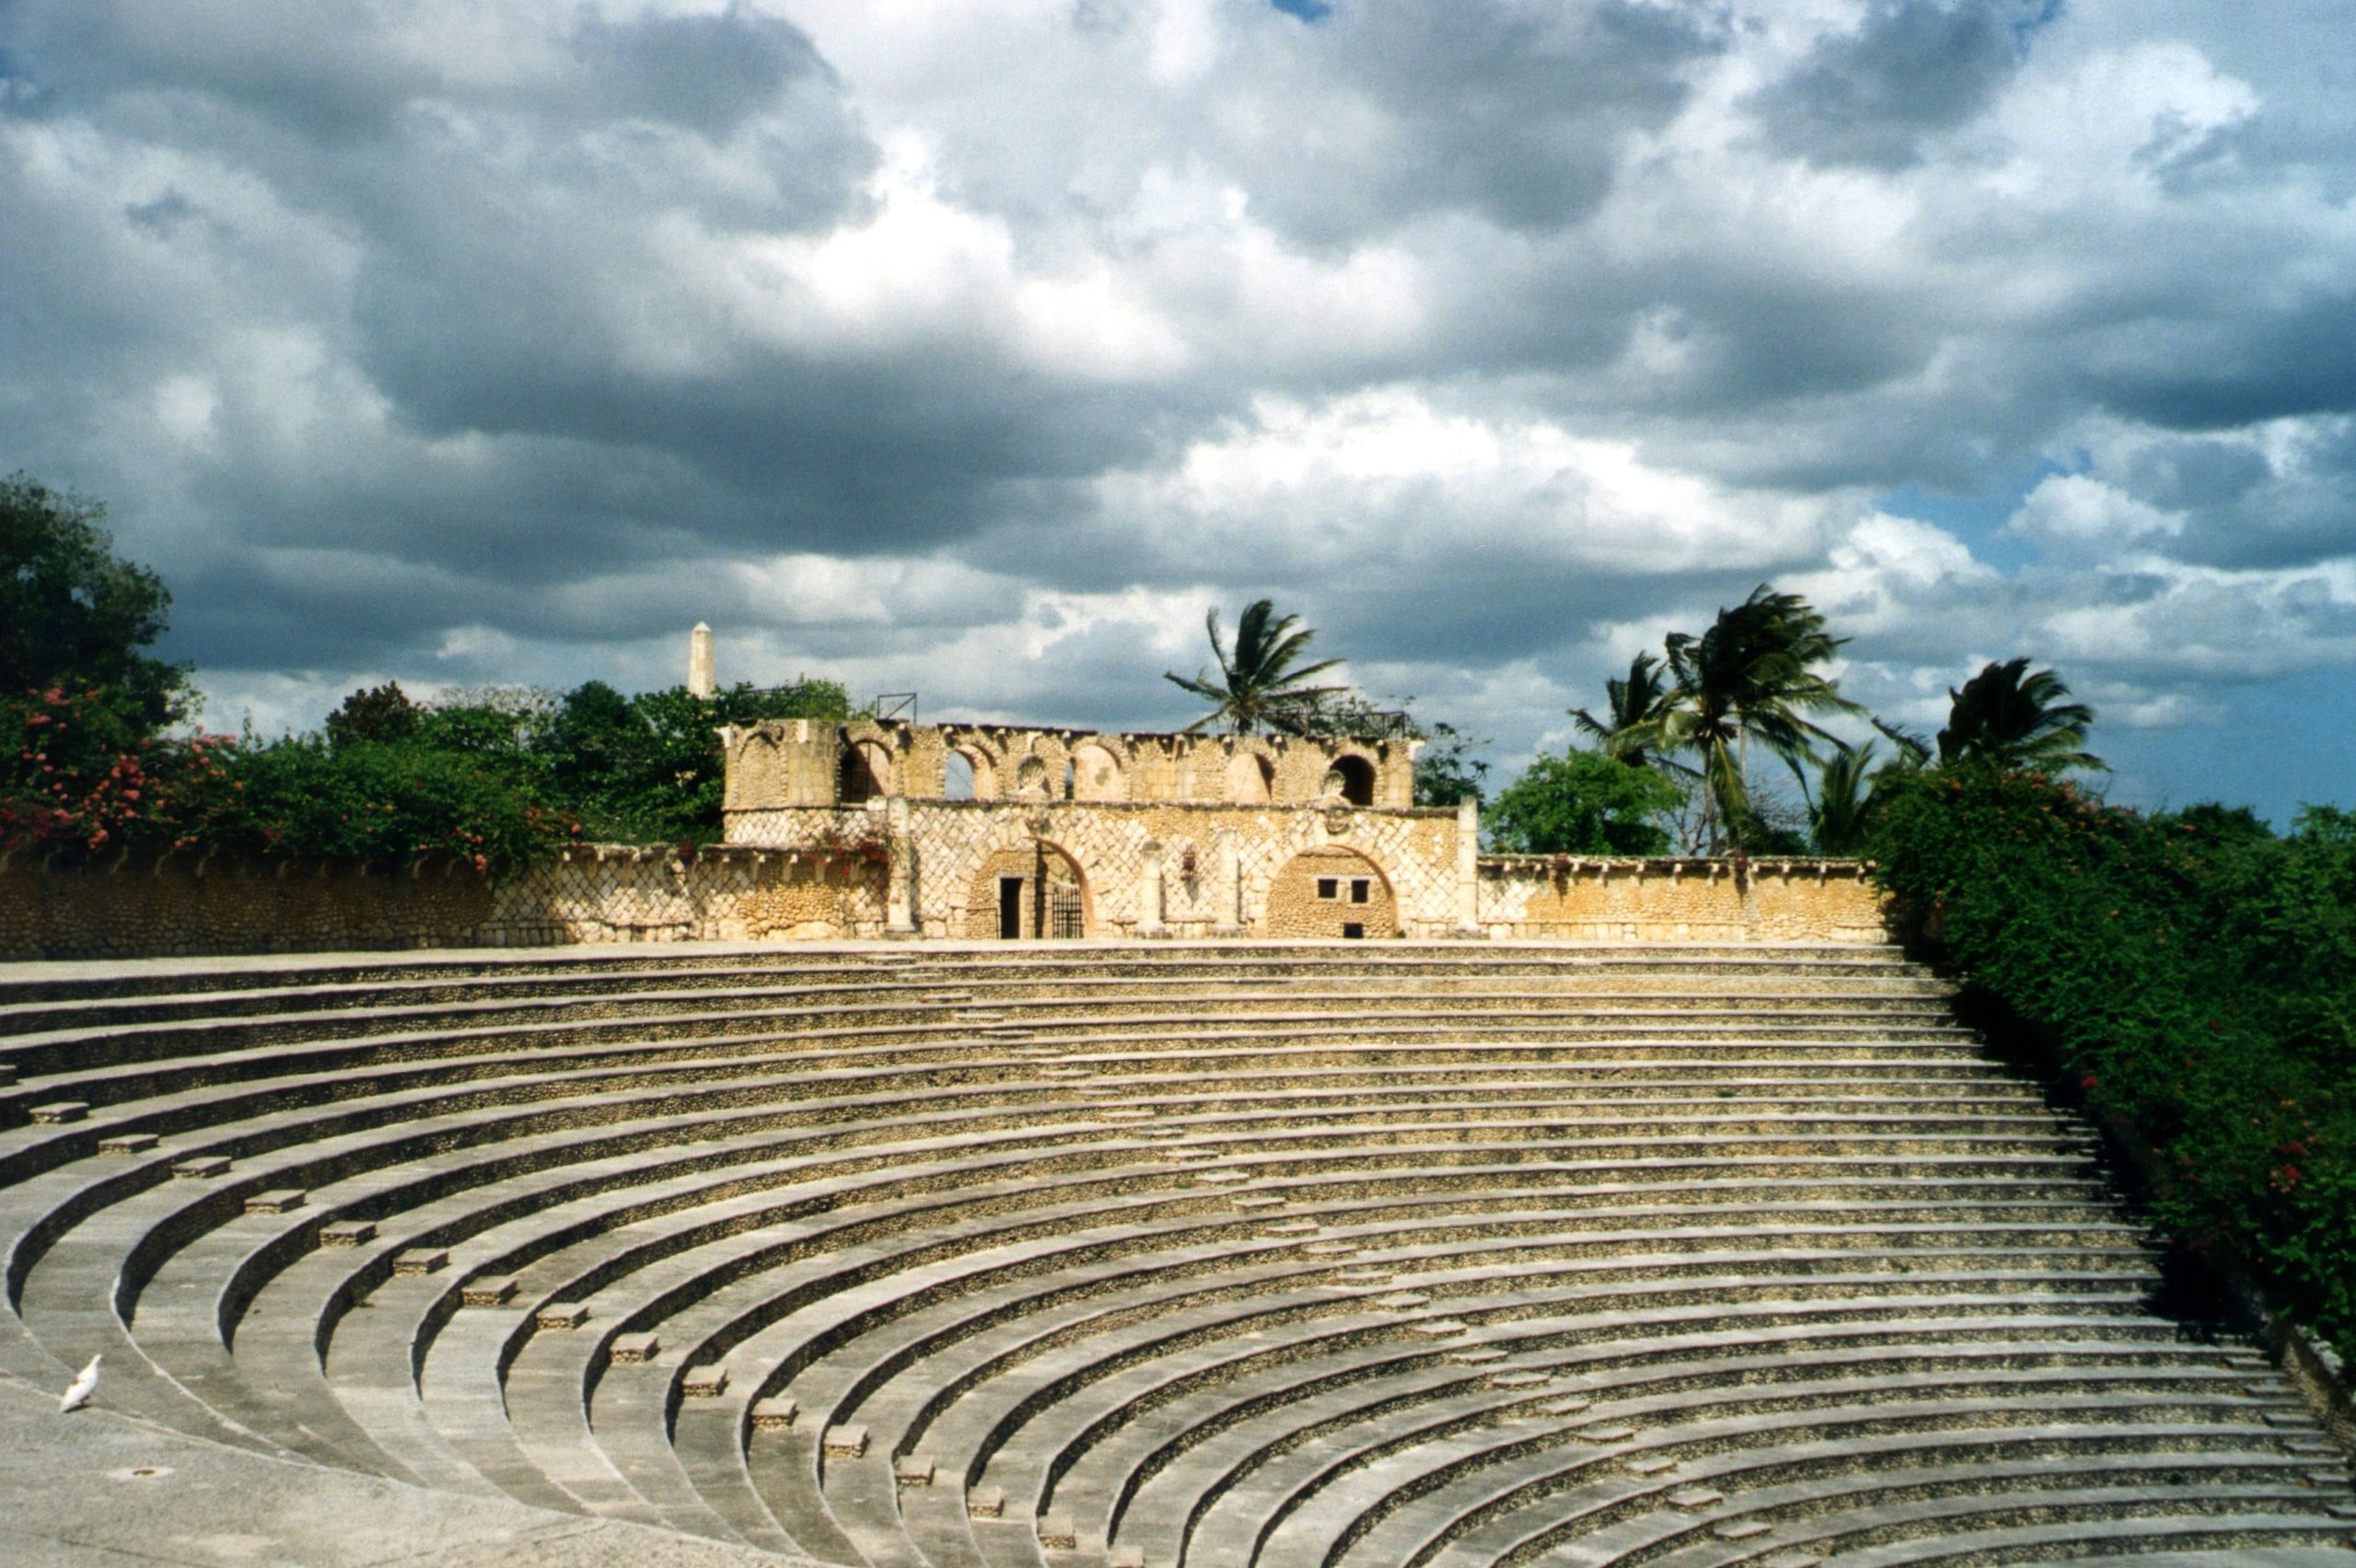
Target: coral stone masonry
x=957 y=832
x=1071 y=833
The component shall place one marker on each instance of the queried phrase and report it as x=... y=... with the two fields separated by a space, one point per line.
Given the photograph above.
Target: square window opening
x=1329 y=887
x=1362 y=890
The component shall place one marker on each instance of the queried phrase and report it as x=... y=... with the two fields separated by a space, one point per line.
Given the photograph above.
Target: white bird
x=84 y=1386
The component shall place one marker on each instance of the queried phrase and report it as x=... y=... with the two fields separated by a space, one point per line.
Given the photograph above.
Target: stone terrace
x=1067 y=1255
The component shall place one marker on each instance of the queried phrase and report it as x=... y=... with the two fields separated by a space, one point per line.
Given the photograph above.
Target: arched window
x=957 y=777
x=866 y=773
x=1358 y=780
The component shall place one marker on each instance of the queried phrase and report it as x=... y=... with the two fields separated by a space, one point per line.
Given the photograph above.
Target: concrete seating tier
x=1062 y=1255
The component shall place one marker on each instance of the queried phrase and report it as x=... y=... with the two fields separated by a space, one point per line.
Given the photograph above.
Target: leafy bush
x=648 y=768
x=382 y=803
x=81 y=770
x=1582 y=804
x=2195 y=976
x=501 y=778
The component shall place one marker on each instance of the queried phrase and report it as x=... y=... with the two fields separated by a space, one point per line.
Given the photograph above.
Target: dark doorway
x=1010 y=908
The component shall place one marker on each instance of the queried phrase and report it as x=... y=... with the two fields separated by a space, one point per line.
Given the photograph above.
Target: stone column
x=1226 y=892
x=703 y=678
x=1150 y=893
x=1468 y=869
x=899 y=885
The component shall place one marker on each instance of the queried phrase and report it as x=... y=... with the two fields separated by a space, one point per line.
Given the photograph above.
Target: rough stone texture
x=807 y=762
x=822 y=874
x=597 y=894
x=1574 y=899
x=1218 y=865
x=1322 y=892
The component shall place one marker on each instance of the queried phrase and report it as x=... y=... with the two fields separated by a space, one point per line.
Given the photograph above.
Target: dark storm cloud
x=1911 y=68
x=709 y=73
x=976 y=349
x=2239 y=512
x=1517 y=109
x=285 y=60
x=2195 y=371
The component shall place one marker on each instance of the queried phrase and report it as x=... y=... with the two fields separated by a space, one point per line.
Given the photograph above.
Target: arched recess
x=866 y=772
x=969 y=774
x=1096 y=773
x=1330 y=893
x=1250 y=779
x=1029 y=892
x=1353 y=776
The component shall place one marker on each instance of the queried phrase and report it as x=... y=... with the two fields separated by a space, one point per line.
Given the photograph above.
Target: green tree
x=1260 y=683
x=1447 y=769
x=374 y=713
x=1630 y=707
x=2013 y=719
x=650 y=768
x=492 y=720
x=1582 y=802
x=1750 y=676
x=1838 y=807
x=74 y=614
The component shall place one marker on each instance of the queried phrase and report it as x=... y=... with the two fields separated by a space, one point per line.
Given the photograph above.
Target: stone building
x=1014 y=831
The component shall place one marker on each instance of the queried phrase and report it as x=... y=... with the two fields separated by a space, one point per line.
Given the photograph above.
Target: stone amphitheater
x=1063 y=1255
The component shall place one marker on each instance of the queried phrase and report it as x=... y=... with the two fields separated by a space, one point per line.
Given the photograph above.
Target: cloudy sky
x=978 y=346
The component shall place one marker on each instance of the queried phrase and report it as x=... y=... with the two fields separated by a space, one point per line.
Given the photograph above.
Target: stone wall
x=1147 y=868
x=187 y=904
x=801 y=763
x=1326 y=892
x=932 y=868
x=1566 y=898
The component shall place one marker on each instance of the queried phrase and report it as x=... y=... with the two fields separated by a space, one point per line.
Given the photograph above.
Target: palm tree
x=1751 y=675
x=1627 y=704
x=1843 y=798
x=1258 y=686
x=2014 y=719
x=1914 y=751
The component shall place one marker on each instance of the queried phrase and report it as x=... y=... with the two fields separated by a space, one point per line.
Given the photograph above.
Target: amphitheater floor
x=97 y=1490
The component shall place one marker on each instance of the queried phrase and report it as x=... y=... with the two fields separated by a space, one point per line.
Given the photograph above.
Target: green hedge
x=502 y=783
x=2195 y=974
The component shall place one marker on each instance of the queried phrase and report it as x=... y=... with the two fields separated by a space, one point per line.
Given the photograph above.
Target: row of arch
x=1091 y=773
x=1038 y=889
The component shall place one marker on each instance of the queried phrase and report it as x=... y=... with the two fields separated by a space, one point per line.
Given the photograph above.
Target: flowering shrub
x=2195 y=976
x=499 y=779
x=77 y=769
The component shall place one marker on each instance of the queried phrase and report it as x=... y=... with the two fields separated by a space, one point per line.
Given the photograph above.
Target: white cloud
x=2080 y=515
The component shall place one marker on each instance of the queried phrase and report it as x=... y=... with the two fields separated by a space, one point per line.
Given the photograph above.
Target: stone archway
x=1330 y=893
x=1030 y=893
x=968 y=773
x=1352 y=777
x=866 y=772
